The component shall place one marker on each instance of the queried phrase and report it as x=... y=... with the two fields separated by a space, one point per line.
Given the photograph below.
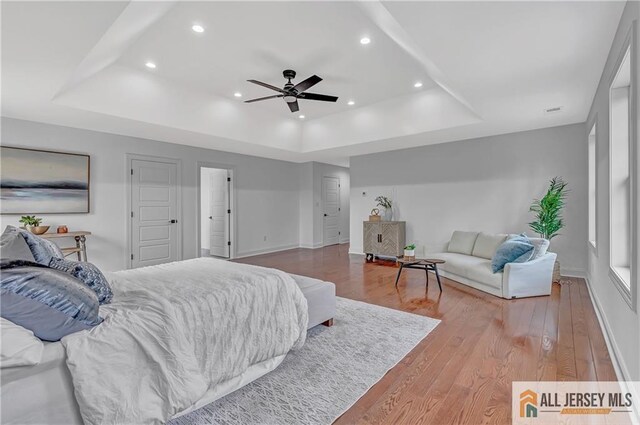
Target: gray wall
x=267 y=191
x=622 y=323
x=484 y=184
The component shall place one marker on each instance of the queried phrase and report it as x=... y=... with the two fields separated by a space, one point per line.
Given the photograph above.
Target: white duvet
x=175 y=330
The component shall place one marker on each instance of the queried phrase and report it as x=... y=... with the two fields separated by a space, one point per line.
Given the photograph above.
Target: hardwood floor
x=461 y=373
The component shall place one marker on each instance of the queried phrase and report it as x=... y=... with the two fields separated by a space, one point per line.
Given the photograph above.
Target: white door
x=154 y=206
x=331 y=205
x=219 y=213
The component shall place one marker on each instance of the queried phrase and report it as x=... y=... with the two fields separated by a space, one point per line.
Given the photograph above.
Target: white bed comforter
x=173 y=331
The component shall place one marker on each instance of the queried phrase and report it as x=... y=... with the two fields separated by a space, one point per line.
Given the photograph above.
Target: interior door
x=331 y=205
x=219 y=213
x=154 y=207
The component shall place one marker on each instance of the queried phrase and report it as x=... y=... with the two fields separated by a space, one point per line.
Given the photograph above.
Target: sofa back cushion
x=487 y=244
x=462 y=242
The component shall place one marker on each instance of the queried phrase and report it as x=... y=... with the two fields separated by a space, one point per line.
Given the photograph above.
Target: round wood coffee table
x=426 y=264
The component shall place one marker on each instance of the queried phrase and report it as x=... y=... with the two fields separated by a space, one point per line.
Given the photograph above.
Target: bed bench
x=321 y=298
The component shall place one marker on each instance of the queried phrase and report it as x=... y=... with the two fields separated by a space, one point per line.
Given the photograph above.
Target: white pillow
x=462 y=242
x=540 y=247
x=487 y=244
x=18 y=346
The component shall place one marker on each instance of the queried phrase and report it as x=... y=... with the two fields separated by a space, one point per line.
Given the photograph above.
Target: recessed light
x=301 y=117
x=351 y=103
x=197 y=28
x=150 y=65
x=417 y=85
x=365 y=40
x=237 y=94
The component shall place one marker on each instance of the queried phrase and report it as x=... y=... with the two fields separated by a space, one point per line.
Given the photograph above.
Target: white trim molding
x=266 y=250
x=619 y=366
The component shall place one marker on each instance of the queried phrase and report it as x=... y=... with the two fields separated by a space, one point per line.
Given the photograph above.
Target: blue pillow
x=88 y=273
x=43 y=250
x=48 y=302
x=515 y=250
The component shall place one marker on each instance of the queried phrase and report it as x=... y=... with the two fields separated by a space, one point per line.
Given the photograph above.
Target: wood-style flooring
x=461 y=373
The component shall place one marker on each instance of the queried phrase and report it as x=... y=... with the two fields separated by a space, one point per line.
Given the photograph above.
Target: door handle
x=172 y=221
x=326 y=215
x=210 y=218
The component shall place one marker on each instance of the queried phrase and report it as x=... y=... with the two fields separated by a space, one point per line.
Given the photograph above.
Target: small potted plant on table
x=32 y=224
x=410 y=251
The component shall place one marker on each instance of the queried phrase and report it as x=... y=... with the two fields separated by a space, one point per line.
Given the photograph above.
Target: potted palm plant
x=548 y=210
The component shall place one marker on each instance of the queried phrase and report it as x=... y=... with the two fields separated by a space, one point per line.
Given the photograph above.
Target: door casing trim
x=232 y=203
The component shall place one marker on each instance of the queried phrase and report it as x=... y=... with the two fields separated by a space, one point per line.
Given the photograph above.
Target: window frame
x=592 y=220
x=628 y=293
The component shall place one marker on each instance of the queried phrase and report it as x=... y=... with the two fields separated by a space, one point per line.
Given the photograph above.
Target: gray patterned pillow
x=43 y=250
x=88 y=273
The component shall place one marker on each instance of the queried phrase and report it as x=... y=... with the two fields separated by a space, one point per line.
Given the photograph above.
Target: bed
x=175 y=337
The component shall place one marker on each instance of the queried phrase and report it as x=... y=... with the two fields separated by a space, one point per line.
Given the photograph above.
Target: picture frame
x=37 y=181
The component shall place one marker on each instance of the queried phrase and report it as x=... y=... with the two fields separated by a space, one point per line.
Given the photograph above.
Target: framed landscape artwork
x=43 y=182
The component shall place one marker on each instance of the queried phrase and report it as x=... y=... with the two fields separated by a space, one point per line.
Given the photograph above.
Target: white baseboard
x=309 y=246
x=616 y=358
x=343 y=241
x=573 y=272
x=266 y=250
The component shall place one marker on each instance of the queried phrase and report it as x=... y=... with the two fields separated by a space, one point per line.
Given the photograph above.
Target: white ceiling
x=486 y=68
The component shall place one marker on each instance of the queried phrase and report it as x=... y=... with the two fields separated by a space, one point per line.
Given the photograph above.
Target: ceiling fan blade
x=269 y=86
x=308 y=83
x=264 y=98
x=316 y=96
x=294 y=106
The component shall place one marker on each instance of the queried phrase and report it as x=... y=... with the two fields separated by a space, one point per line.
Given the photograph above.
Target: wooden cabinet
x=383 y=238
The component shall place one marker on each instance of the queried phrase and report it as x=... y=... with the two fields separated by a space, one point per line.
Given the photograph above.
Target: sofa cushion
x=482 y=272
x=462 y=242
x=487 y=244
x=456 y=263
x=514 y=250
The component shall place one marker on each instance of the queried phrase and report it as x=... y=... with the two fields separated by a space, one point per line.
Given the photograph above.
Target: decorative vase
x=37 y=230
x=410 y=253
x=387 y=215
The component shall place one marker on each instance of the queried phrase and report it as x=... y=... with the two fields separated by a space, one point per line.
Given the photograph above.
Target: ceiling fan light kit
x=291 y=93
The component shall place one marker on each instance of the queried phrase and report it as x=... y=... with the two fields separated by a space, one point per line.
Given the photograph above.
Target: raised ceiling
x=486 y=68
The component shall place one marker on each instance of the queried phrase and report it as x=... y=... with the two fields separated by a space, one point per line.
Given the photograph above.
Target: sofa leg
x=328 y=322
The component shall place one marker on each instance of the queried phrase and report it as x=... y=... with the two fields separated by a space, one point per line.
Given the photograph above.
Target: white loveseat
x=468 y=257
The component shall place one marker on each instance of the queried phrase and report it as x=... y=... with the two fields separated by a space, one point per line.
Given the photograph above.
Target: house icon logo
x=528 y=404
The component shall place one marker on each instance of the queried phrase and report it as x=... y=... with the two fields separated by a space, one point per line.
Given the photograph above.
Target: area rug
x=322 y=380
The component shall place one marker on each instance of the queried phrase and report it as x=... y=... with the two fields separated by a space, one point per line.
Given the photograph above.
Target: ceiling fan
x=291 y=93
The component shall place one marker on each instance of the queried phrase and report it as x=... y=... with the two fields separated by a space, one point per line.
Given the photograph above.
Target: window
x=620 y=177
x=592 y=186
